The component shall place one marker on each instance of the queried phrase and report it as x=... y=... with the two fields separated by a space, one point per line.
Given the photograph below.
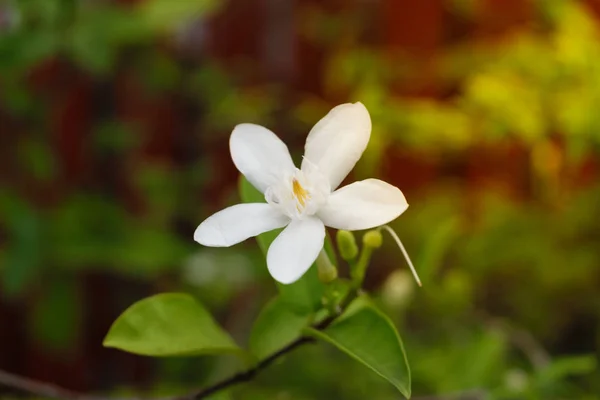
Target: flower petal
x=259 y=154
x=338 y=140
x=295 y=249
x=363 y=205
x=237 y=223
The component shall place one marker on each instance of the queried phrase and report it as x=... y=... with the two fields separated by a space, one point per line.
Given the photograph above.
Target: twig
x=47 y=390
x=38 y=388
x=246 y=375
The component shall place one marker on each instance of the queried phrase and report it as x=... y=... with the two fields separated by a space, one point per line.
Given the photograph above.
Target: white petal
x=295 y=249
x=259 y=154
x=338 y=140
x=363 y=205
x=237 y=223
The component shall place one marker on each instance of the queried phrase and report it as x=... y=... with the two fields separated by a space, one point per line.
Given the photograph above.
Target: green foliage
x=165 y=14
x=175 y=324
x=367 y=335
x=169 y=324
x=90 y=33
x=37 y=159
x=57 y=315
x=92 y=230
x=462 y=363
x=22 y=256
x=276 y=326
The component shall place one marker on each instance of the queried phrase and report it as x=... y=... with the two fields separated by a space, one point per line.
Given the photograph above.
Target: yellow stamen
x=299 y=192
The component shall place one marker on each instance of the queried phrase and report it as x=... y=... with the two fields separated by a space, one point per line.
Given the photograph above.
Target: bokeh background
x=114 y=125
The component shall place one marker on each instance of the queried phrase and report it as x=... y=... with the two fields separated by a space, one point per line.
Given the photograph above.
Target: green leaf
x=169 y=324
x=367 y=335
x=303 y=296
x=275 y=327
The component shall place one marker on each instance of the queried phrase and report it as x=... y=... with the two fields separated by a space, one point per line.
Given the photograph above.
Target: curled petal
x=295 y=249
x=238 y=223
x=363 y=205
x=259 y=154
x=338 y=140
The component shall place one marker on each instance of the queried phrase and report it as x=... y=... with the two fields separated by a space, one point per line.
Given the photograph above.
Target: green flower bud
x=326 y=270
x=346 y=245
x=373 y=239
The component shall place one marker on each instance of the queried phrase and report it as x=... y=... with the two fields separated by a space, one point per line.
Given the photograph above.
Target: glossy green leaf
x=276 y=326
x=303 y=296
x=367 y=335
x=169 y=324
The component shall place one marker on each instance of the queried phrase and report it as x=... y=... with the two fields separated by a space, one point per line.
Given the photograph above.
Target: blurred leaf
x=99 y=32
x=22 y=258
x=225 y=104
x=275 y=327
x=482 y=361
x=169 y=324
x=56 y=316
x=22 y=50
x=435 y=247
x=46 y=13
x=568 y=366
x=115 y=136
x=87 y=229
x=15 y=96
x=367 y=335
x=37 y=157
x=159 y=72
x=148 y=251
x=160 y=186
x=303 y=296
x=91 y=231
x=168 y=14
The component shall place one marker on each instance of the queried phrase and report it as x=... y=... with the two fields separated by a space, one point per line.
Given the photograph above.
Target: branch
x=37 y=388
x=246 y=375
x=47 y=390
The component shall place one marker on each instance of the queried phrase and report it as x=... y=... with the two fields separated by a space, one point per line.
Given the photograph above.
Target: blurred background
x=114 y=121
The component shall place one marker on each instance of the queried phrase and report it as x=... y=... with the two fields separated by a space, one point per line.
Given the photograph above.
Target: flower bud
x=346 y=245
x=373 y=239
x=326 y=270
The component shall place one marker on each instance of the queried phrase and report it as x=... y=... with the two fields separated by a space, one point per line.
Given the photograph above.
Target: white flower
x=303 y=200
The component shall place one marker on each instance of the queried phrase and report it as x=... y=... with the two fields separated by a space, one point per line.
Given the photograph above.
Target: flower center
x=299 y=193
